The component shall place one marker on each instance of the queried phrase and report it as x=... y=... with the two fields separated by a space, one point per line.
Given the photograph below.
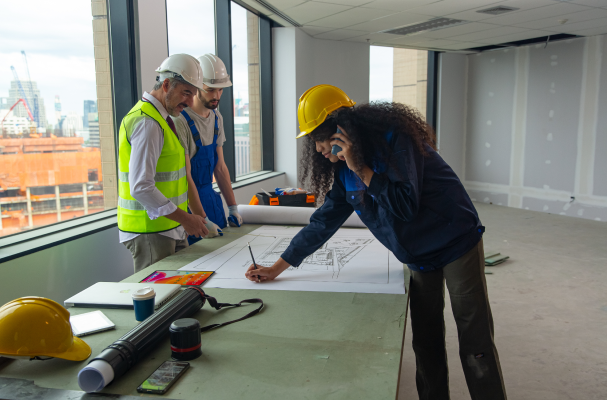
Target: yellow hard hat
x=35 y=326
x=317 y=103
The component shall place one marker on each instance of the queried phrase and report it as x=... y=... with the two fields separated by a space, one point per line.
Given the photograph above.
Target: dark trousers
x=465 y=278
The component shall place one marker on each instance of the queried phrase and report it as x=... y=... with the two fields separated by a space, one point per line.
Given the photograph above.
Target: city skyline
x=61 y=60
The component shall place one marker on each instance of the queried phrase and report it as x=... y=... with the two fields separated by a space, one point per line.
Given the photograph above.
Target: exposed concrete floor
x=549 y=304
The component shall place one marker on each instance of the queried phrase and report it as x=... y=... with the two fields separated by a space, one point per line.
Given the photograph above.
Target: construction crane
x=24 y=97
x=34 y=102
x=32 y=128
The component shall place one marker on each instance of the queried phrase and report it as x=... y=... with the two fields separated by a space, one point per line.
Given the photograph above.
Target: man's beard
x=209 y=105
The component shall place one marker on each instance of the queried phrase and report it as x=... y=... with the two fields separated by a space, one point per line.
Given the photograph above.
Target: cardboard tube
x=280 y=215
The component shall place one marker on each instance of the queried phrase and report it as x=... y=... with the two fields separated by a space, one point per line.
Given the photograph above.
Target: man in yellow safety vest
x=154 y=172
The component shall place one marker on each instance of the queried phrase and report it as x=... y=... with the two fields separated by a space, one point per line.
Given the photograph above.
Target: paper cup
x=143 y=302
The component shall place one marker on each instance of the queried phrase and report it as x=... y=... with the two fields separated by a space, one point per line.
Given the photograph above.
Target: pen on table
x=254 y=265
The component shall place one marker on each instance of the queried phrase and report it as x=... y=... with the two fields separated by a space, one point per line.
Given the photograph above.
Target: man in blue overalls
x=200 y=131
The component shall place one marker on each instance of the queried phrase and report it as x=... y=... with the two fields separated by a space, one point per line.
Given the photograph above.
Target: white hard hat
x=214 y=71
x=183 y=65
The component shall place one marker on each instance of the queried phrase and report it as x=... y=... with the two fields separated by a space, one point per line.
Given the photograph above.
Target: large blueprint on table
x=351 y=261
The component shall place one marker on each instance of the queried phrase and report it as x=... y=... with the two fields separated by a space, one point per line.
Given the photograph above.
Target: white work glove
x=234 y=219
x=214 y=230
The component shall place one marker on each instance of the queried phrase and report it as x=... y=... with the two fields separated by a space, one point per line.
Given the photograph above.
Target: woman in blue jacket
x=389 y=173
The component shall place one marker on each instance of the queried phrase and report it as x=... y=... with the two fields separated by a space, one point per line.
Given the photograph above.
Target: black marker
x=254 y=265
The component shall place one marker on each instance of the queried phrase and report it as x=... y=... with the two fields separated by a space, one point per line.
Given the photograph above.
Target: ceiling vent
x=497 y=10
x=432 y=25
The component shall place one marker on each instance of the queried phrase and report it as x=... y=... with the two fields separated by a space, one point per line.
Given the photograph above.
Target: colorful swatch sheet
x=184 y=278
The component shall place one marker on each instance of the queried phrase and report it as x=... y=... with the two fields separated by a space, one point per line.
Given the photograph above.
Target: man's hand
x=234 y=219
x=194 y=225
x=212 y=228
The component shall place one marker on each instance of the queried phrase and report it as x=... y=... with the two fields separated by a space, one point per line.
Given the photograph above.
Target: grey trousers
x=465 y=278
x=149 y=248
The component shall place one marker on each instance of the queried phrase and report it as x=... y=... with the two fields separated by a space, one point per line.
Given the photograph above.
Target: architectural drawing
x=351 y=261
x=332 y=256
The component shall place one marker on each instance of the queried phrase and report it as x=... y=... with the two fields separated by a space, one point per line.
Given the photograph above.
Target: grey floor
x=549 y=304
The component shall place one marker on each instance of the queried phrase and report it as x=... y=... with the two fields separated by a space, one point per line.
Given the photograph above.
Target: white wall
x=300 y=62
x=535 y=128
x=61 y=271
x=452 y=109
x=152 y=40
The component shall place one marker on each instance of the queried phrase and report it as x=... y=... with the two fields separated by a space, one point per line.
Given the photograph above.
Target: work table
x=303 y=345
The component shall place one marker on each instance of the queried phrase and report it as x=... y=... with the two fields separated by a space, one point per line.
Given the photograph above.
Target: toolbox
x=290 y=200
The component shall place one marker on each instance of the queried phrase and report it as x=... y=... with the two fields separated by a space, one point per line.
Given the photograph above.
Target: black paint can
x=185 y=339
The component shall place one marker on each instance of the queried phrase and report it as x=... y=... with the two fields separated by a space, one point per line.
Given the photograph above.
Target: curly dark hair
x=366 y=125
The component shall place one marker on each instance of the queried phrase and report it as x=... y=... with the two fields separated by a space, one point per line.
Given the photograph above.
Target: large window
x=245 y=70
x=195 y=37
x=48 y=107
x=399 y=75
x=381 y=73
x=198 y=39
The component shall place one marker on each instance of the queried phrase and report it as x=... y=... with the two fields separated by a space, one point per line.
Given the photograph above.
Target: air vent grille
x=433 y=24
x=497 y=10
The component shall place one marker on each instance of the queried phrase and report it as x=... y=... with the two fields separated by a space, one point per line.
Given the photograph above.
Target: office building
x=33 y=97
x=13 y=125
x=71 y=124
x=90 y=106
x=57 y=108
x=93 y=129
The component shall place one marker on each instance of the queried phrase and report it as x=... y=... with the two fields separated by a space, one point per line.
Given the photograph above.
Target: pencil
x=254 y=265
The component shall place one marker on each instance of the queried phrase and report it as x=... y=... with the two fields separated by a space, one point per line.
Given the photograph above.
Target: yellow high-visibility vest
x=170 y=178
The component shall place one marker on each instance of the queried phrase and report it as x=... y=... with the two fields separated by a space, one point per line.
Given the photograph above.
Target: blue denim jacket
x=416 y=207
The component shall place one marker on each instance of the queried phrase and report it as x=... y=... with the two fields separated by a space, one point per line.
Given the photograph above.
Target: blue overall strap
x=216 y=123
x=193 y=128
x=216 y=131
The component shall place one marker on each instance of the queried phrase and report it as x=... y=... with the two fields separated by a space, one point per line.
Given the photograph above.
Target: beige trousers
x=149 y=248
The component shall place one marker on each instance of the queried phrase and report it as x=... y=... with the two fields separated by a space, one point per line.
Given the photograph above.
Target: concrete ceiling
x=364 y=20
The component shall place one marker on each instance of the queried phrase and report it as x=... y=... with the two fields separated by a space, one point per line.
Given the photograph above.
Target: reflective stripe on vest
x=159 y=177
x=135 y=205
x=170 y=178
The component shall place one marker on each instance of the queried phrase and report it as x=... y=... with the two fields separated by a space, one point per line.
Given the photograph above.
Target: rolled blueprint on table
x=279 y=215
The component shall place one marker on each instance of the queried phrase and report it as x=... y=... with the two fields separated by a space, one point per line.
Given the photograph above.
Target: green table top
x=303 y=345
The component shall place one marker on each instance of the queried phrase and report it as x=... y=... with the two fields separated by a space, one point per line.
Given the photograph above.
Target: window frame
x=122 y=39
x=432 y=89
x=223 y=46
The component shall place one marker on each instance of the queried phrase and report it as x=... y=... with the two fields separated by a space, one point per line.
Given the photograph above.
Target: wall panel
x=553 y=113
x=491 y=81
x=600 y=159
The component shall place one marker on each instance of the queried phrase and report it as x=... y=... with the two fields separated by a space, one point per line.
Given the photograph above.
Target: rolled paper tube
x=95 y=376
x=125 y=352
x=287 y=216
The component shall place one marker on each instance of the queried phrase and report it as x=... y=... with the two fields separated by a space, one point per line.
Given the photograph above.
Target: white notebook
x=90 y=322
x=119 y=295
